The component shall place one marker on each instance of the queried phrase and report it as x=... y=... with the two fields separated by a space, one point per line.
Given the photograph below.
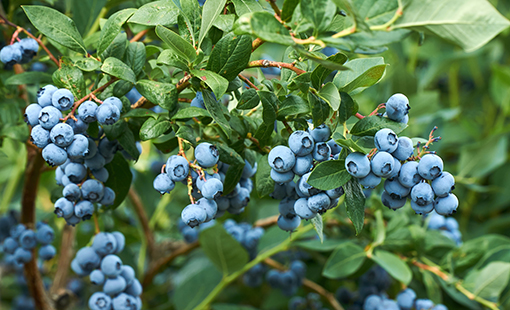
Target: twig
x=276 y=9
x=256 y=43
x=359 y=116
x=144 y=221
x=64 y=259
x=97 y=230
x=309 y=284
x=247 y=80
x=380 y=106
x=287 y=126
x=139 y=35
x=184 y=100
x=267 y=63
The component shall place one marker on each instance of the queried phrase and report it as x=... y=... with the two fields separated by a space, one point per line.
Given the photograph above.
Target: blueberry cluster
x=80 y=158
x=121 y=289
x=19 y=53
x=448 y=226
x=287 y=281
x=376 y=281
x=300 y=200
x=21 y=241
x=245 y=234
x=423 y=180
x=406 y=300
x=311 y=302
x=206 y=188
x=190 y=234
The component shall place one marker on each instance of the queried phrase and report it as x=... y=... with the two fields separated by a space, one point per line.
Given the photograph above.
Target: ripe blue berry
x=107 y=114
x=64 y=208
x=207 y=155
x=31 y=115
x=87 y=259
x=78 y=126
x=47 y=252
x=45 y=234
x=97 y=277
x=128 y=273
x=115 y=101
x=104 y=243
x=409 y=175
x=386 y=140
x=396 y=169
x=281 y=159
x=319 y=203
x=125 y=302
x=177 y=168
x=241 y=200
x=370 y=181
x=62 y=135
x=87 y=112
x=382 y=164
x=430 y=166
x=321 y=152
x=301 y=209
x=73 y=220
x=84 y=210
x=404 y=149
x=372 y=302
x=335 y=148
x=321 y=133
x=443 y=184
x=193 y=215
x=135 y=289
x=286 y=207
x=78 y=148
x=422 y=209
x=101 y=174
x=212 y=189
x=49 y=117
x=357 y=164
x=10 y=245
x=133 y=95
x=120 y=239
x=100 y=301
x=92 y=190
x=17 y=230
x=393 y=203
x=62 y=99
x=249 y=170
x=303 y=164
x=22 y=256
x=301 y=143
x=108 y=197
x=96 y=162
x=163 y=184
x=290 y=223
x=111 y=266
x=45 y=94
x=114 y=286
x=282 y=177
x=11 y=54
x=335 y=193
x=40 y=136
x=29 y=46
x=198 y=101
x=422 y=194
x=405 y=299
x=397 y=107
x=423 y=304
x=440 y=307
x=75 y=172
x=306 y=188
x=210 y=207
x=395 y=189
x=54 y=155
x=451 y=224
x=447 y=205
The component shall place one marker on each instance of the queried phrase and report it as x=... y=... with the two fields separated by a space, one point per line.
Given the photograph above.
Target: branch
x=139 y=35
x=309 y=284
x=276 y=9
x=64 y=259
x=267 y=63
x=245 y=79
x=144 y=221
x=359 y=116
x=256 y=43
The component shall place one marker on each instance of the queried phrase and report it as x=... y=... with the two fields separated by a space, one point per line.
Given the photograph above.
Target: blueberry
x=54 y=155
x=62 y=99
x=430 y=166
x=286 y=207
x=246 y=183
x=249 y=170
x=306 y=188
x=322 y=151
x=372 y=302
x=357 y=164
x=29 y=46
x=288 y=279
x=409 y=175
x=22 y=256
x=111 y=266
x=335 y=147
x=198 y=101
x=125 y=302
x=92 y=151
x=64 y=208
x=96 y=162
x=282 y=177
x=301 y=143
x=207 y=155
x=108 y=148
x=443 y=184
x=279 y=191
x=114 y=286
x=395 y=189
x=75 y=172
x=451 y=224
x=92 y=190
x=44 y=95
x=319 y=203
x=87 y=259
x=299 y=268
x=423 y=304
x=370 y=181
x=107 y=114
x=213 y=188
x=40 y=136
x=133 y=95
x=120 y=240
x=49 y=117
x=62 y=135
x=273 y=278
x=101 y=174
x=440 y=307
x=45 y=234
x=84 y=210
x=87 y=111
x=135 y=289
x=210 y=207
x=79 y=127
x=404 y=149
x=223 y=203
x=108 y=197
x=10 y=245
x=397 y=107
x=405 y=299
x=163 y=184
x=73 y=220
x=382 y=164
x=388 y=304
x=97 y=277
x=436 y=221
x=115 y=101
x=78 y=147
x=193 y=215
x=393 y=203
x=422 y=209
x=321 y=133
x=31 y=115
x=290 y=223
x=47 y=252
x=281 y=159
x=447 y=205
x=11 y=54
x=104 y=243
x=386 y=140
x=39 y=66
x=396 y=169
x=128 y=273
x=422 y=194
x=335 y=193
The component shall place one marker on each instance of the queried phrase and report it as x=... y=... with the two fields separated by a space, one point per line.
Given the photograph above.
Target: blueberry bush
x=245 y=154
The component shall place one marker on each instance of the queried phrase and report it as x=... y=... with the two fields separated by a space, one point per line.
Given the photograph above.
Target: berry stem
x=139 y=35
x=380 y=106
x=96 y=224
x=359 y=116
x=15 y=35
x=256 y=43
x=247 y=81
x=431 y=140
x=268 y=63
x=287 y=126
x=275 y=8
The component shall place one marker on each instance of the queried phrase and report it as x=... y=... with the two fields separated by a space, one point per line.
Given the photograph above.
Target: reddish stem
x=359 y=116
x=247 y=80
x=267 y=63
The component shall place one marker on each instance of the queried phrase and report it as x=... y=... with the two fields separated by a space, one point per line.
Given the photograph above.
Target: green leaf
x=369 y=125
x=364 y=73
x=394 y=265
x=177 y=44
x=230 y=55
x=156 y=13
x=216 y=82
x=119 y=178
x=140 y=112
x=189 y=20
x=163 y=94
x=190 y=113
x=225 y=22
x=320 y=73
x=128 y=143
x=355 y=203
x=344 y=261
x=333 y=64
x=210 y=11
x=84 y=22
x=319 y=12
x=348 y=107
x=249 y=99
x=169 y=58
x=70 y=77
x=136 y=56
x=264 y=183
x=153 y=128
x=29 y=78
x=328 y=175
x=330 y=93
x=318 y=226
x=215 y=109
x=320 y=109
x=317 y=246
x=265 y=26
x=492 y=280
x=117 y=48
x=469 y=24
x=481 y=158
x=246 y=6
x=288 y=9
x=86 y=64
x=118 y=69
x=351 y=144
x=55 y=26
x=112 y=28
x=269 y=105
x=349 y=6
x=232 y=177
x=188 y=134
x=292 y=105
